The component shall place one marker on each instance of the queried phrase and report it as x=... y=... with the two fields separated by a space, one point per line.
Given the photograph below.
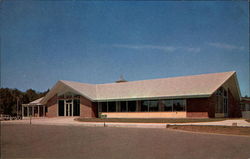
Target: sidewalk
x=239 y=122
x=70 y=121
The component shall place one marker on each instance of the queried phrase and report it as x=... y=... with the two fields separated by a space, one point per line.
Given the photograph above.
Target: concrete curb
x=73 y=122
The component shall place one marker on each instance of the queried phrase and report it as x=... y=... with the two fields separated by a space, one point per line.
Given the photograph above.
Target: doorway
x=68 y=108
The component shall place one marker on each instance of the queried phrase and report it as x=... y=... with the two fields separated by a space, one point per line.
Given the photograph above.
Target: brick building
x=197 y=96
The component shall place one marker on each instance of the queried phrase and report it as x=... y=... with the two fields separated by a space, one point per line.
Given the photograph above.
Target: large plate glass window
x=61 y=108
x=144 y=106
x=123 y=106
x=179 y=105
x=131 y=106
x=168 y=105
x=153 y=106
x=104 y=106
x=111 y=106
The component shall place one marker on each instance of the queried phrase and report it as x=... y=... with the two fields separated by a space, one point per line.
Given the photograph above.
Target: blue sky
x=95 y=42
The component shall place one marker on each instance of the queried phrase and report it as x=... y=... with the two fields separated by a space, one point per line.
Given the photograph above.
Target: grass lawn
x=148 y=120
x=214 y=129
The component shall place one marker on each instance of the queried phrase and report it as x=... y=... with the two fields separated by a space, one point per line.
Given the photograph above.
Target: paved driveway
x=50 y=141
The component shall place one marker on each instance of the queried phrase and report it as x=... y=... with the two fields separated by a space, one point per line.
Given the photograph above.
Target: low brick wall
x=197 y=114
x=145 y=114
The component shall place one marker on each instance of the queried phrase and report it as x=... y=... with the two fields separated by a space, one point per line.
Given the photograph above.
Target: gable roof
x=38 y=101
x=35 y=102
x=203 y=85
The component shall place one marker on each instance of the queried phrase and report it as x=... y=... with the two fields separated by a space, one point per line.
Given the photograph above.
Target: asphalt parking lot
x=48 y=141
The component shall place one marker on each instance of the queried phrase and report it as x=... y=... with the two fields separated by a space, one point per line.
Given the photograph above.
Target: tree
x=9 y=97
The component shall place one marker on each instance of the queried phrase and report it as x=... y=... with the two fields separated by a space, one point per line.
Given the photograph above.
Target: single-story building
x=202 y=96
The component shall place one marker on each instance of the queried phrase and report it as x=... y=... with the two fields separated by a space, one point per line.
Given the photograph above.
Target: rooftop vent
x=121 y=80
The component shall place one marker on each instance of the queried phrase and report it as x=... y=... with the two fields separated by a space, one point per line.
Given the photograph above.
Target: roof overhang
x=154 y=98
x=90 y=91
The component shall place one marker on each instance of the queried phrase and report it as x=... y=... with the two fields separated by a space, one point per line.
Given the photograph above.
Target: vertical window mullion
x=172 y=104
x=126 y=106
x=107 y=106
x=185 y=104
x=148 y=106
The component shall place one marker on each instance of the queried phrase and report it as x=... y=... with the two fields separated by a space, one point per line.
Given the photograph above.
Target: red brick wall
x=201 y=107
x=88 y=109
x=205 y=107
x=233 y=106
x=94 y=109
x=52 y=107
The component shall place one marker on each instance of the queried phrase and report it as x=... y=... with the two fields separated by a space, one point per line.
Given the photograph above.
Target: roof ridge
x=232 y=72
x=63 y=81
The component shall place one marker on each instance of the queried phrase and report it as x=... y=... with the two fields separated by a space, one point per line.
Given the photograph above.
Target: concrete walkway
x=71 y=121
x=238 y=122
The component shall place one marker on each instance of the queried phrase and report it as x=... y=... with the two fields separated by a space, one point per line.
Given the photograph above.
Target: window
x=153 y=106
x=150 y=105
x=68 y=104
x=131 y=106
x=104 y=106
x=225 y=103
x=219 y=108
x=111 y=106
x=61 y=108
x=179 y=105
x=76 y=105
x=168 y=105
x=222 y=101
x=123 y=106
x=144 y=106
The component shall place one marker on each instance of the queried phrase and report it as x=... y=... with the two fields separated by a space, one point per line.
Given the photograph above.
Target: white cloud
x=158 y=47
x=164 y=48
x=226 y=46
x=192 y=49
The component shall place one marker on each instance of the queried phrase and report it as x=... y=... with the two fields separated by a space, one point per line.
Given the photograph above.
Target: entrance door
x=68 y=109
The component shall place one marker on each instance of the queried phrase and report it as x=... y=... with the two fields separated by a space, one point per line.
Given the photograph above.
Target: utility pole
x=17 y=106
